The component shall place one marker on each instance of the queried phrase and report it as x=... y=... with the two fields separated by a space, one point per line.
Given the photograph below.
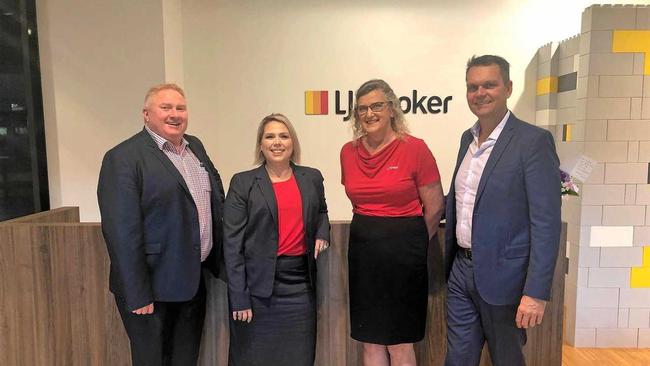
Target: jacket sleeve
x=323 y=229
x=234 y=228
x=542 y=180
x=118 y=194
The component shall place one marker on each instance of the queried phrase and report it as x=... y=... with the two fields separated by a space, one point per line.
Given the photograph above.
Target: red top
x=291 y=229
x=385 y=184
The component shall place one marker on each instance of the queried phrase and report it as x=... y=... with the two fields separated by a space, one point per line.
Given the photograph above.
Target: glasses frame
x=362 y=110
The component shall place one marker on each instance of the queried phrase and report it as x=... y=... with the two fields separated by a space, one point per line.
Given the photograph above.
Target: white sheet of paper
x=583 y=168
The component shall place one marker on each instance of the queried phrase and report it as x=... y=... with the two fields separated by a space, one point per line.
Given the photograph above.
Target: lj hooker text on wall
x=317 y=101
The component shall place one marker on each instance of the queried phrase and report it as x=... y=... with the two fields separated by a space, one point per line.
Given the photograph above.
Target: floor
x=605 y=356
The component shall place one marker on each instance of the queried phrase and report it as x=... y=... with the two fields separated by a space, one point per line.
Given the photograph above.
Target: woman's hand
x=243 y=315
x=320 y=246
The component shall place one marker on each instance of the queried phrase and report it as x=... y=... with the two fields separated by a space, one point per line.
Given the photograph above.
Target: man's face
x=166 y=115
x=487 y=94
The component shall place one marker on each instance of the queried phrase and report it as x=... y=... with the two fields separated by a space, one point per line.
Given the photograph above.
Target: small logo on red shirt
x=392 y=167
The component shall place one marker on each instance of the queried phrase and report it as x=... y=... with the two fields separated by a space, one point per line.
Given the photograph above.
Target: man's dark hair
x=487 y=60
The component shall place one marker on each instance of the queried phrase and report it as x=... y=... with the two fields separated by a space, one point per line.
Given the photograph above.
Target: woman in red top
x=393 y=183
x=275 y=225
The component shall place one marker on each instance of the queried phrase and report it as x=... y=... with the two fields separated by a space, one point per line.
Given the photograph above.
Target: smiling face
x=276 y=144
x=487 y=94
x=374 y=123
x=165 y=113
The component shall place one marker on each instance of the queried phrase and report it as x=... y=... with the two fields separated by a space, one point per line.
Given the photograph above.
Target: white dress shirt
x=468 y=178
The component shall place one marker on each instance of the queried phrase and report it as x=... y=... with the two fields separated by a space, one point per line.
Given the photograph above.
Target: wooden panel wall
x=55 y=308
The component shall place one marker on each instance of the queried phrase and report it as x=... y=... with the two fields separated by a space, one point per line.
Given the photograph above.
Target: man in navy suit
x=503 y=224
x=161 y=201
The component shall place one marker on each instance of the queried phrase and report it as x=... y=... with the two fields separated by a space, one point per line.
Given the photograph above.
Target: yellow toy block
x=640 y=276
x=547 y=85
x=633 y=41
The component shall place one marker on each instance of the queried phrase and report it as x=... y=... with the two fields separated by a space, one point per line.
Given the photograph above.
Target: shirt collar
x=476 y=129
x=161 y=141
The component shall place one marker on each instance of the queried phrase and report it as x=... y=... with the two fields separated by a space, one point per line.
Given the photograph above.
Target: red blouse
x=386 y=183
x=291 y=229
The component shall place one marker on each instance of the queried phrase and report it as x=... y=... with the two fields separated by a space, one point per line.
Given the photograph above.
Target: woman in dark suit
x=275 y=225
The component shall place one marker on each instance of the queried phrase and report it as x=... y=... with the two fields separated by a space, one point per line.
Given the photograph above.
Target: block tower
x=593 y=93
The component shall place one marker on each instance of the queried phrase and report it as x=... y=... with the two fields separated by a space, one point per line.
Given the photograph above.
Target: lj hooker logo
x=316 y=103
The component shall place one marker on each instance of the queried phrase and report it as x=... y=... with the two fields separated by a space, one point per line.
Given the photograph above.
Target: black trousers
x=171 y=336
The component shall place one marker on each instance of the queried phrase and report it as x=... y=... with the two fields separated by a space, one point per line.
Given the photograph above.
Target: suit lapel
x=303 y=187
x=464 y=145
x=495 y=155
x=204 y=159
x=266 y=187
x=164 y=160
x=450 y=211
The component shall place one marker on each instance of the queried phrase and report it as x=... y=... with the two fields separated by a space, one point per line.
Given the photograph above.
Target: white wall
x=97 y=60
x=242 y=60
x=246 y=59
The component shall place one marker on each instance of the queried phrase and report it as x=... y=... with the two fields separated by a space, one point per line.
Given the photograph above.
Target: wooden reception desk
x=55 y=308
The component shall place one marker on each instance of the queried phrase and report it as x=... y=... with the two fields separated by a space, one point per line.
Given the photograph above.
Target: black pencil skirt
x=387 y=263
x=283 y=330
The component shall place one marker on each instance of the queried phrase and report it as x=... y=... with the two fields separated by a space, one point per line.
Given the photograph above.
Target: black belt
x=467 y=253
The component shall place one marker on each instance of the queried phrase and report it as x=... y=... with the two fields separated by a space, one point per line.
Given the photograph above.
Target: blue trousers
x=471 y=322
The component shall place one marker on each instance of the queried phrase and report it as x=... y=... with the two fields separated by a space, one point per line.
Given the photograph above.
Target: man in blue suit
x=161 y=201
x=503 y=224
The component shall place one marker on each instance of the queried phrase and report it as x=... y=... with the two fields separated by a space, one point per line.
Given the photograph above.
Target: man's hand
x=530 y=312
x=144 y=310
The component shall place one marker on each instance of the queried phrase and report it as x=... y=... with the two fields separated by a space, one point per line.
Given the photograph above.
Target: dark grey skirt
x=387 y=264
x=283 y=330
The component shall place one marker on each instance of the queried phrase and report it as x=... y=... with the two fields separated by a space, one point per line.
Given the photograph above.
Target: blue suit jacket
x=516 y=223
x=150 y=222
x=251 y=230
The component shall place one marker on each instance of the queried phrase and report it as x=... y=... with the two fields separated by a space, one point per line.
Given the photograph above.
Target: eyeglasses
x=362 y=110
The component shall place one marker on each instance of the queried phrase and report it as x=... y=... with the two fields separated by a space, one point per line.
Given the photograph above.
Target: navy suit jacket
x=251 y=230
x=150 y=222
x=516 y=223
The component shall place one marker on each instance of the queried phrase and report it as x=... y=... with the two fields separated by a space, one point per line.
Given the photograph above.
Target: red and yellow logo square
x=315 y=102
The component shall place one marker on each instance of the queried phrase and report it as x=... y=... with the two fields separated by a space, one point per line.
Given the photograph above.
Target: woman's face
x=374 y=113
x=276 y=144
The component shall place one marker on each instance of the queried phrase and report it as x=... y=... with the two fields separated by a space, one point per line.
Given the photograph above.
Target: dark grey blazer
x=251 y=230
x=150 y=222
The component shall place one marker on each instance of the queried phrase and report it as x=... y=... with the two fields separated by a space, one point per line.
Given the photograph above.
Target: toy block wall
x=593 y=92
